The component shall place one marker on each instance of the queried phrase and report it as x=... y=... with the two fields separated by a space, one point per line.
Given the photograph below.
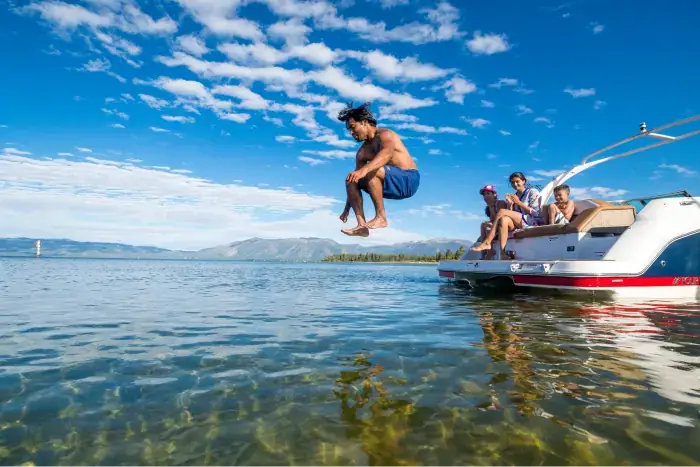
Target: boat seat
x=592 y=216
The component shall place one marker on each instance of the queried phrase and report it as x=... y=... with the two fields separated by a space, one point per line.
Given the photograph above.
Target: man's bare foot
x=378 y=223
x=482 y=247
x=359 y=231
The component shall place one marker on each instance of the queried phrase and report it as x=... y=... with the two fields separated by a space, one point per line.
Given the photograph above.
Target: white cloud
x=292 y=32
x=504 y=82
x=444 y=209
x=487 y=104
x=548 y=122
x=477 y=122
x=389 y=68
x=386 y=4
x=117 y=125
x=220 y=18
x=456 y=88
x=523 y=110
x=332 y=140
x=103 y=22
x=249 y=99
x=192 y=44
x=101 y=65
x=443 y=22
x=65 y=154
x=81 y=149
x=435 y=152
x=159 y=130
x=504 y=132
x=311 y=161
x=678 y=169
x=332 y=154
x=66 y=16
x=102 y=200
x=488 y=44
x=599 y=104
x=178 y=119
x=15 y=152
x=286 y=78
x=491 y=156
x=334 y=78
x=257 y=53
x=154 y=102
x=119 y=47
x=549 y=173
x=398 y=117
x=193 y=93
x=431 y=129
x=285 y=139
x=116 y=113
x=583 y=92
x=317 y=53
x=596 y=192
x=597 y=28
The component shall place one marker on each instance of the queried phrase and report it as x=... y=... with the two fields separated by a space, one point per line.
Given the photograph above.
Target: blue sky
x=193 y=123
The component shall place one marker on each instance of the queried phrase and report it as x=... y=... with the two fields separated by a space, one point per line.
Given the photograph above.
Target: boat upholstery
x=589 y=215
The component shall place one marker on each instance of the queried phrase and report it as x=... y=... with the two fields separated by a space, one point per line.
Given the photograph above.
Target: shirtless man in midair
x=383 y=168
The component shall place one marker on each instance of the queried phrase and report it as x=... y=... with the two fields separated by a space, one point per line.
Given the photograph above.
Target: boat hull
x=667 y=287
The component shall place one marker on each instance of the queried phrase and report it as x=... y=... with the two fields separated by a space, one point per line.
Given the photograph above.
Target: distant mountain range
x=285 y=249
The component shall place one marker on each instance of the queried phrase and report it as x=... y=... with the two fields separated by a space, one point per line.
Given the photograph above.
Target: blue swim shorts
x=399 y=183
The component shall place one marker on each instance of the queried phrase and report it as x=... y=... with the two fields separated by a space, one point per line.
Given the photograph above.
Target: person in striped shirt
x=523 y=211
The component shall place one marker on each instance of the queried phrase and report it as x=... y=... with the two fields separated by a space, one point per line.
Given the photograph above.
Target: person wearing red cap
x=523 y=212
x=493 y=204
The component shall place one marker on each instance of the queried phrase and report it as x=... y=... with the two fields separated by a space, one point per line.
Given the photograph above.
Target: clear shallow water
x=167 y=362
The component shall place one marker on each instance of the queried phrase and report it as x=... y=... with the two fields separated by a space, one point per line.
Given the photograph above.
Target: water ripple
x=176 y=362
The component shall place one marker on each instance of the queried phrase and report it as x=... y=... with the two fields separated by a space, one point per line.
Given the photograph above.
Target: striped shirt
x=531 y=197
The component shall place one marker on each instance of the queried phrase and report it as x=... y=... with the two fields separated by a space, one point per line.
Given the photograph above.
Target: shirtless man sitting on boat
x=383 y=168
x=562 y=209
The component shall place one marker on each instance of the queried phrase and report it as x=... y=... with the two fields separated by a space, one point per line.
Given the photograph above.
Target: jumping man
x=383 y=168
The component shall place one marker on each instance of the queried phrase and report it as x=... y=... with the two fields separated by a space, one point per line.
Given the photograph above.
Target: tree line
x=395 y=258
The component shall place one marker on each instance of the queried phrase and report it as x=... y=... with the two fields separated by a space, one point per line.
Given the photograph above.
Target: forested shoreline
x=394 y=258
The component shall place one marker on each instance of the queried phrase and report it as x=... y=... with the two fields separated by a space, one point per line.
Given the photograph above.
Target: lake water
x=175 y=362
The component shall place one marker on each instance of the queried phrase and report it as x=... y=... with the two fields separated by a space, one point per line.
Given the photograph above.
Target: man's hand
x=356 y=176
x=344 y=216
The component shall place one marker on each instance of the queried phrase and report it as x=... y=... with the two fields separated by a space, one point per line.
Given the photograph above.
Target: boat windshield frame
x=587 y=163
x=645 y=200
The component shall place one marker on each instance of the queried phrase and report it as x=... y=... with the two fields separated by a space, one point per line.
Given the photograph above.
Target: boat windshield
x=640 y=203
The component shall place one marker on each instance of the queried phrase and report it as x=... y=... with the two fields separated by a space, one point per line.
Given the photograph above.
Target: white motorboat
x=645 y=247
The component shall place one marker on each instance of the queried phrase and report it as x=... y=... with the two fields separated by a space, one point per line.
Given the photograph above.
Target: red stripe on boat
x=593 y=282
x=449 y=274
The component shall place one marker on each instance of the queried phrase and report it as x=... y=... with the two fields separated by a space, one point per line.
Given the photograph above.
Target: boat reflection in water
x=622 y=377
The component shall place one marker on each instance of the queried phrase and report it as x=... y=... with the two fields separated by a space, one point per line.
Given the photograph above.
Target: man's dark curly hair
x=359 y=114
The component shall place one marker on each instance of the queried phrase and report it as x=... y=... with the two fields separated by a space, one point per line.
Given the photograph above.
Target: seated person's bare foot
x=378 y=223
x=359 y=231
x=482 y=247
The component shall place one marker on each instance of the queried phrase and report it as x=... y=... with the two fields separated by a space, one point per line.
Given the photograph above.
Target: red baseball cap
x=487 y=188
